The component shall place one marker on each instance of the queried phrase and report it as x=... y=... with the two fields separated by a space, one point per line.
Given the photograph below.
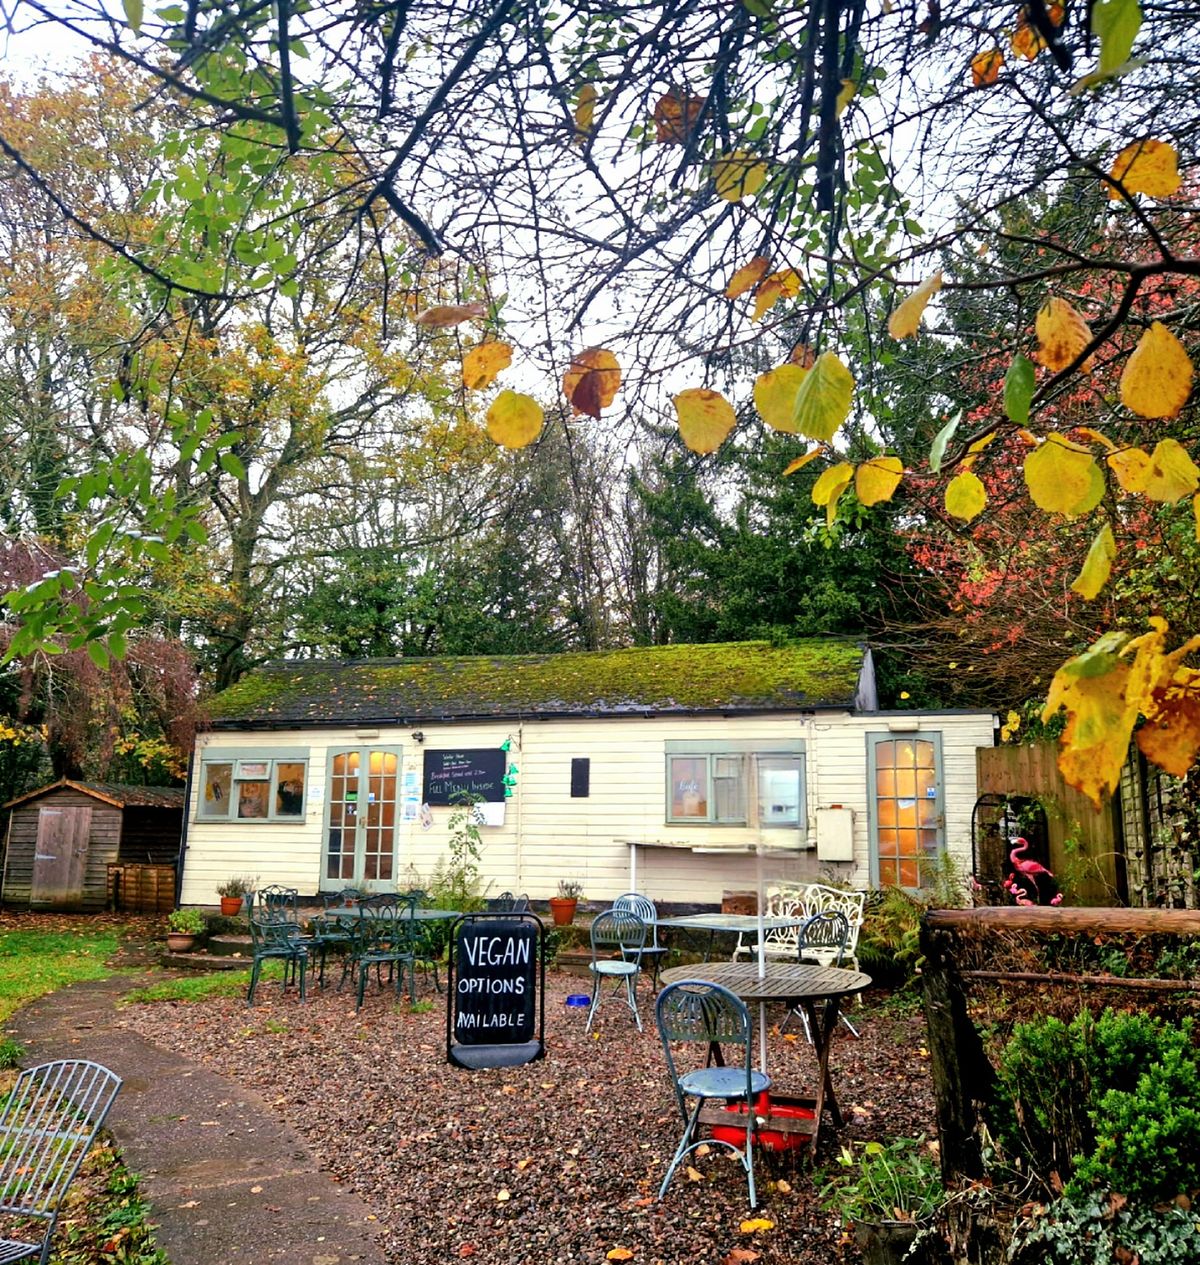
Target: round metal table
x=795 y=984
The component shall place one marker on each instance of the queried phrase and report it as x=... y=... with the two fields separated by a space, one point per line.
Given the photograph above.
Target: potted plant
x=183 y=926
x=889 y=1193
x=562 y=906
x=231 y=892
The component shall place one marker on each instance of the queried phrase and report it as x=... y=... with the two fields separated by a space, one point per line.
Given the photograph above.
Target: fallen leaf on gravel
x=191 y=1203
x=756 y=1225
x=502 y=1196
x=694 y=1174
x=856 y=1110
x=522 y=1165
x=784 y=1188
x=790 y=1037
x=741 y=1256
x=619 y=1254
x=467 y=1249
x=509 y=1089
x=644 y=1203
x=703 y=1149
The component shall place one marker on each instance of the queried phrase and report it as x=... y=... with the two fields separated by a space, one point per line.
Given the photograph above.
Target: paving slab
x=229 y=1183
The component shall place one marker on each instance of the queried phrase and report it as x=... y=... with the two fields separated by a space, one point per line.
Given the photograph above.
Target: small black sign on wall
x=495 y=1005
x=581 y=776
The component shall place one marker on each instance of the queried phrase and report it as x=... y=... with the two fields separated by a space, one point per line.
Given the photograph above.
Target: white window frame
x=242 y=761
x=751 y=754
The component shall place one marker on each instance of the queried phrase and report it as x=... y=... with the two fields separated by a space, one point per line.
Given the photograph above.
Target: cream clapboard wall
x=548 y=836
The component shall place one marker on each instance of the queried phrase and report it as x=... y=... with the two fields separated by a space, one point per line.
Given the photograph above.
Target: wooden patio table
x=795 y=984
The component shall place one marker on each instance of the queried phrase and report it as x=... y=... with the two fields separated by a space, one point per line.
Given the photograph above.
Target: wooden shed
x=64 y=838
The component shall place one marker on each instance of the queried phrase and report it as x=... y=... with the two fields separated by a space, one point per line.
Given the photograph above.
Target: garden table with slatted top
x=795 y=984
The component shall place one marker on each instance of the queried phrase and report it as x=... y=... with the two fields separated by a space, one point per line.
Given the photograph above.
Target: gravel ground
x=557 y=1161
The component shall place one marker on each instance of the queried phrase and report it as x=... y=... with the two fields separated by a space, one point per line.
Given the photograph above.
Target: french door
x=361 y=814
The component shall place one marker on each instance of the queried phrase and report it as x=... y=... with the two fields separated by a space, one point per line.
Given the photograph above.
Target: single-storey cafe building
x=663 y=768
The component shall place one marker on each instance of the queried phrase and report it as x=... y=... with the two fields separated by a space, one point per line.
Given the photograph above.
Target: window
x=253 y=789
x=738 y=787
x=906 y=807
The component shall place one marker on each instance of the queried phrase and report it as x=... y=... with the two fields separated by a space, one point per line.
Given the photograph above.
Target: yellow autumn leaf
x=1026 y=40
x=675 y=118
x=747 y=277
x=1157 y=378
x=830 y=486
x=705 y=418
x=1170 y=473
x=877 y=479
x=618 y=1254
x=481 y=364
x=813 y=453
x=1096 y=437
x=448 y=315
x=738 y=175
x=1131 y=466
x=980 y=444
x=775 y=396
x=844 y=97
x=906 y=319
x=1062 y=478
x=514 y=420
x=1149 y=167
x=1097 y=566
x=585 y=112
x=1172 y=739
x=1062 y=335
x=779 y=285
x=756 y=1225
x=965 y=496
x=824 y=398
x=1095 y=742
x=986 y=67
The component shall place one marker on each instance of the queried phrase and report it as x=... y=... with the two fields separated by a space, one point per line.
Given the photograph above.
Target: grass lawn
x=36 y=962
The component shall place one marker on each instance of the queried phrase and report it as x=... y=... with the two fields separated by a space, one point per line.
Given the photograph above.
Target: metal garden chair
x=428 y=938
x=274 y=899
x=507 y=903
x=275 y=937
x=823 y=940
x=624 y=932
x=643 y=906
x=384 y=937
x=47 y=1126
x=331 y=934
x=707 y=1014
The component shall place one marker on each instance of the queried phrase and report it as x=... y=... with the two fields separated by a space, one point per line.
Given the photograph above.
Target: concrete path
x=228 y=1182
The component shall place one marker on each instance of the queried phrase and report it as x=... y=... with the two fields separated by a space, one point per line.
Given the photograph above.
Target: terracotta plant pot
x=231 y=906
x=180 y=942
x=563 y=910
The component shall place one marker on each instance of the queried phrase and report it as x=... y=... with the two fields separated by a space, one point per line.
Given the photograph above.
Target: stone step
x=203 y=962
x=230 y=946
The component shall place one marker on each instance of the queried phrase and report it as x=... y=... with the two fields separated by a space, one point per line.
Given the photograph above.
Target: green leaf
x=133 y=13
x=1117 y=23
x=232 y=464
x=823 y=400
x=98 y=653
x=941 y=439
x=1018 y=390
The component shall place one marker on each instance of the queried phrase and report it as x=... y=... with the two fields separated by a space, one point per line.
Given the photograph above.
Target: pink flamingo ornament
x=1027 y=867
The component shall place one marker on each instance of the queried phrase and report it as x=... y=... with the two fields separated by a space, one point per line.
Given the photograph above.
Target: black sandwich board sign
x=496 y=996
x=478 y=772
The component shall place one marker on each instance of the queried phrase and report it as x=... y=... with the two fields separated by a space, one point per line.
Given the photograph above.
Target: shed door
x=60 y=857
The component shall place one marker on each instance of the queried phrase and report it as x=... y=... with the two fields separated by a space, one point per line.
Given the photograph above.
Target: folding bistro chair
x=707 y=1014
x=616 y=930
x=822 y=941
x=48 y=1124
x=643 y=906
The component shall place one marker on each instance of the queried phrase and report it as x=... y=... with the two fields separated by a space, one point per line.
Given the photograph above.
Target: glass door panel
x=360 y=840
x=907 y=809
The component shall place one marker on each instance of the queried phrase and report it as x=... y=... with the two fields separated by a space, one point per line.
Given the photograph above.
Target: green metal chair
x=274 y=899
x=623 y=932
x=383 y=937
x=275 y=937
x=331 y=935
x=48 y=1124
x=695 y=1012
x=652 y=953
x=428 y=938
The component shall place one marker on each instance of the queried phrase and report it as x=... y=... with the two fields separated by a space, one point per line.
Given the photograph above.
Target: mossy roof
x=750 y=676
x=117 y=793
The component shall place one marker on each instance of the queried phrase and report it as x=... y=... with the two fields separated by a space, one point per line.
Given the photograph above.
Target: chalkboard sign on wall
x=493 y=1018
x=479 y=773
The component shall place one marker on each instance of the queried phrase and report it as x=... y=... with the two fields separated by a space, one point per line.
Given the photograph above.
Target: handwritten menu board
x=457 y=772
x=496 y=985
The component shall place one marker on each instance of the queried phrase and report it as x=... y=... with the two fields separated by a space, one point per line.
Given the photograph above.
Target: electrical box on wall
x=835 y=833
